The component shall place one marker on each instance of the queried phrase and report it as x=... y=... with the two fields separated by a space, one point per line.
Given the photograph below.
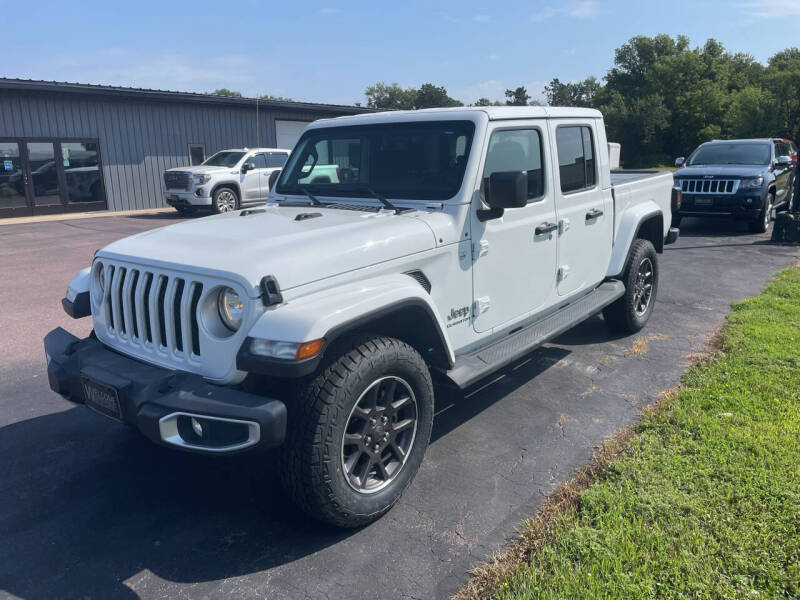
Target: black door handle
x=593 y=214
x=545 y=228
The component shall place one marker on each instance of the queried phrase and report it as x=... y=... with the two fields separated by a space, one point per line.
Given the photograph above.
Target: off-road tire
x=311 y=465
x=622 y=316
x=761 y=224
x=221 y=202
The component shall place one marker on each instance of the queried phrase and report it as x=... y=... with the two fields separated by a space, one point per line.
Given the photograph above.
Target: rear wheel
x=761 y=224
x=224 y=200
x=358 y=431
x=632 y=311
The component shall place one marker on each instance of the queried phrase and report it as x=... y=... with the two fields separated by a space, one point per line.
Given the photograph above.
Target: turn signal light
x=309 y=349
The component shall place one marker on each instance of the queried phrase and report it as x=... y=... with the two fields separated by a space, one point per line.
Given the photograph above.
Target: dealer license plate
x=101 y=398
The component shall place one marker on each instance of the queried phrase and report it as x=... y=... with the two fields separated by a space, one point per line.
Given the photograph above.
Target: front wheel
x=761 y=224
x=631 y=312
x=357 y=432
x=224 y=200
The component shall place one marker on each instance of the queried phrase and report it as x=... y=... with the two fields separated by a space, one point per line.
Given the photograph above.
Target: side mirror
x=679 y=161
x=784 y=162
x=248 y=166
x=507 y=189
x=273 y=177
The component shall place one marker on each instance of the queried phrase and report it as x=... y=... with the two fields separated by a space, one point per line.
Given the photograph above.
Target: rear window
x=423 y=160
x=576 y=163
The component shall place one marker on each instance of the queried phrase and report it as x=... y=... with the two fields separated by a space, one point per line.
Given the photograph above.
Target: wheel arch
x=645 y=221
x=228 y=184
x=390 y=305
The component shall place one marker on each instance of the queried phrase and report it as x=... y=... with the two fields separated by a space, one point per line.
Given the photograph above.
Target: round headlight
x=99 y=282
x=231 y=308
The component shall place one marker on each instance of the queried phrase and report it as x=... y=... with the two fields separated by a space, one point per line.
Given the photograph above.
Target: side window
x=276 y=159
x=576 y=158
x=517 y=150
x=258 y=160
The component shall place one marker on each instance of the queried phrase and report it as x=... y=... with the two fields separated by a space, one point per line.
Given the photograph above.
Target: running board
x=469 y=368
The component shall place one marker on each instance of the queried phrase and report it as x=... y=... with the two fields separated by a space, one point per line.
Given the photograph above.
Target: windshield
x=423 y=160
x=731 y=154
x=224 y=159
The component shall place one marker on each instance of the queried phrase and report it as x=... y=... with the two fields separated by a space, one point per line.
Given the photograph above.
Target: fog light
x=749 y=200
x=197 y=428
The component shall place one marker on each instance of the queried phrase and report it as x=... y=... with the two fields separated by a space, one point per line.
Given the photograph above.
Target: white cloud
x=481 y=18
x=582 y=9
x=772 y=9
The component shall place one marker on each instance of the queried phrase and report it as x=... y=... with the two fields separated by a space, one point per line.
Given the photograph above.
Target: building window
x=82 y=172
x=197 y=154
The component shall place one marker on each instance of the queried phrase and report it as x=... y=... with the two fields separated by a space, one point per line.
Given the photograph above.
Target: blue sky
x=330 y=52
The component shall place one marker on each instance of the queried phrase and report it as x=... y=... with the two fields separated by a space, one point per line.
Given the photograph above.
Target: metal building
x=68 y=147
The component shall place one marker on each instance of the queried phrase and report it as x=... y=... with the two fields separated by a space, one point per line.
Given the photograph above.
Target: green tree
x=517 y=97
x=390 y=96
x=226 y=92
x=271 y=97
x=431 y=96
x=580 y=93
x=487 y=102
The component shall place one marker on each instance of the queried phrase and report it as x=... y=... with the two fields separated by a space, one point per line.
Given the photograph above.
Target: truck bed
x=622 y=176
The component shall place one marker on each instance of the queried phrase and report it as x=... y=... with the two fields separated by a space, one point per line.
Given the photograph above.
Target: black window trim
x=525 y=127
x=594 y=150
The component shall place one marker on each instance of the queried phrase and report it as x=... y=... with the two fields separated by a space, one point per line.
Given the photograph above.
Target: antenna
x=258 y=129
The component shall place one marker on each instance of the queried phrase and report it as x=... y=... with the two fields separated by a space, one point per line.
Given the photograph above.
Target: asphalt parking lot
x=88 y=509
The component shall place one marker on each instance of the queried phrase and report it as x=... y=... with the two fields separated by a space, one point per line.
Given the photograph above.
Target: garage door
x=288 y=132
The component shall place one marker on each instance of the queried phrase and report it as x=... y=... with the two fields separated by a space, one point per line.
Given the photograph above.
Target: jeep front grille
x=709 y=186
x=177 y=180
x=152 y=310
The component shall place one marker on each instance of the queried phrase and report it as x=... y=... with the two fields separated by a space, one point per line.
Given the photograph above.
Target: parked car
x=790 y=149
x=466 y=238
x=743 y=179
x=228 y=180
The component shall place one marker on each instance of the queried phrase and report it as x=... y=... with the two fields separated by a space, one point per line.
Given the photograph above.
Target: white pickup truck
x=228 y=180
x=450 y=244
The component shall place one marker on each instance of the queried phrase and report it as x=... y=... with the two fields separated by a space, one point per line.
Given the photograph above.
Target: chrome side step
x=469 y=368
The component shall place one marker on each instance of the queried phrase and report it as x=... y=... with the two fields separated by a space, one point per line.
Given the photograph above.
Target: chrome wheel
x=379 y=434
x=643 y=288
x=226 y=201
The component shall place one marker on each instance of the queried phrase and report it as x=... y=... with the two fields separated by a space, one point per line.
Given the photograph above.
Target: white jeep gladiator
x=441 y=246
x=228 y=180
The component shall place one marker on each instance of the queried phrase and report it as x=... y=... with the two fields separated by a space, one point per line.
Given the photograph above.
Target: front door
x=585 y=218
x=514 y=267
x=13 y=180
x=253 y=178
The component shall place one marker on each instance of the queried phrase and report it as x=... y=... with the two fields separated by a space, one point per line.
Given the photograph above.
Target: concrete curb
x=86 y=215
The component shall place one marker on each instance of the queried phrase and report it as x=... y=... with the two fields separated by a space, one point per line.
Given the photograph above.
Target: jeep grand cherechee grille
x=176 y=180
x=152 y=310
x=709 y=186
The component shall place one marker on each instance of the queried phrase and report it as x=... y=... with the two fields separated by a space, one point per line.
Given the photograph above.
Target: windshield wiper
x=383 y=200
x=312 y=197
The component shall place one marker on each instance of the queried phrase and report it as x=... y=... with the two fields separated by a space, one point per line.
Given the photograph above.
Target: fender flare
x=628 y=229
x=332 y=313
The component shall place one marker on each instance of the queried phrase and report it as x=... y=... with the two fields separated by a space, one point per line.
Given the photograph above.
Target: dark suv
x=744 y=179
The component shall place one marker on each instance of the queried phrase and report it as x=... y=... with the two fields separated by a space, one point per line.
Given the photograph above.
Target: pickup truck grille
x=177 y=180
x=709 y=186
x=152 y=311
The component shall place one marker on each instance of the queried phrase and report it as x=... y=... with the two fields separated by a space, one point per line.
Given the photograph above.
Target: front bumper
x=160 y=402
x=195 y=197
x=746 y=205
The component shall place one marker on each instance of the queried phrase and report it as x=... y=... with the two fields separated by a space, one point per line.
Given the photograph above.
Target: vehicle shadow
x=87 y=505
x=716 y=227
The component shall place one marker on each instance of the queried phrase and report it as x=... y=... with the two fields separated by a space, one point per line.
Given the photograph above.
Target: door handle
x=593 y=214
x=545 y=228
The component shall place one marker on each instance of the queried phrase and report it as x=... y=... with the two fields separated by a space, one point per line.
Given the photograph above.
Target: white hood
x=272 y=242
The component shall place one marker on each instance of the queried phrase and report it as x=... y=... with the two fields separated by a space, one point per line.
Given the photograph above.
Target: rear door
x=584 y=208
x=782 y=174
x=514 y=267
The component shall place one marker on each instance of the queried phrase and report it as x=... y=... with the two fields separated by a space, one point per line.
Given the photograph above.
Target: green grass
x=705 y=502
